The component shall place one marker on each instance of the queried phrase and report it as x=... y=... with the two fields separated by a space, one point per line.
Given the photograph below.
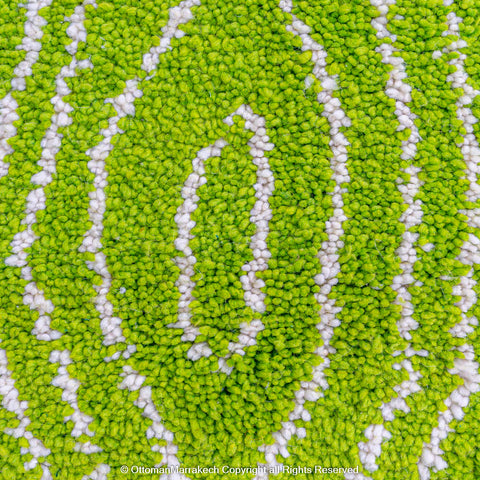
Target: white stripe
x=87 y=448
x=260 y=215
x=133 y=382
x=377 y=434
x=466 y=368
x=70 y=386
x=32 y=46
x=8 y=115
x=12 y=403
x=469 y=255
x=328 y=255
x=177 y=16
x=36 y=199
x=124 y=105
x=400 y=91
x=186 y=264
x=459 y=79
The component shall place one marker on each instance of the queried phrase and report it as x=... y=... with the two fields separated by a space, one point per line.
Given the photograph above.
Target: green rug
x=239 y=239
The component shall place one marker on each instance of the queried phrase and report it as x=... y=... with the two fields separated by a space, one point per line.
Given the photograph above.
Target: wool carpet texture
x=239 y=239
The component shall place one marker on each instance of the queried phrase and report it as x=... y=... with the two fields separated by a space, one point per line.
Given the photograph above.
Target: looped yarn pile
x=239 y=239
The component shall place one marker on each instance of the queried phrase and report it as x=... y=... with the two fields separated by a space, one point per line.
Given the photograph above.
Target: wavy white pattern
x=8 y=115
x=459 y=79
x=133 y=382
x=400 y=91
x=186 y=264
x=376 y=433
x=466 y=368
x=124 y=105
x=329 y=253
x=12 y=403
x=260 y=215
x=36 y=199
x=70 y=386
x=32 y=46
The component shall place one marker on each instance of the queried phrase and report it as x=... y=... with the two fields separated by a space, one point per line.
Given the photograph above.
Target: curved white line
x=8 y=115
x=328 y=254
x=400 y=91
x=133 y=381
x=70 y=386
x=12 y=403
x=466 y=368
x=376 y=433
x=260 y=215
x=36 y=199
x=186 y=264
x=124 y=105
x=8 y=105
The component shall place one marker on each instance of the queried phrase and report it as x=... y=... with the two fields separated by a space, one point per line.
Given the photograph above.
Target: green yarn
x=92 y=248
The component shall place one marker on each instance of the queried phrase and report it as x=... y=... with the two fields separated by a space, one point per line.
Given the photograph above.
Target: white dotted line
x=467 y=369
x=459 y=79
x=8 y=115
x=185 y=224
x=377 y=434
x=400 y=91
x=261 y=213
x=110 y=325
x=469 y=255
x=36 y=199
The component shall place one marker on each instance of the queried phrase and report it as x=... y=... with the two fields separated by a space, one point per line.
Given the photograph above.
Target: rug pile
x=239 y=239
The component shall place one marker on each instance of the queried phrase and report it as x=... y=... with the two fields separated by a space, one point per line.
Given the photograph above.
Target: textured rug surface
x=239 y=239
